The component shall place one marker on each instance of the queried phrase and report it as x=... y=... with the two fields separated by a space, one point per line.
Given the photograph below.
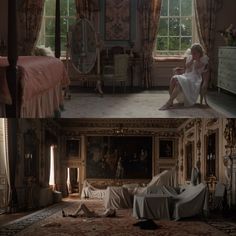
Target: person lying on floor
x=88 y=213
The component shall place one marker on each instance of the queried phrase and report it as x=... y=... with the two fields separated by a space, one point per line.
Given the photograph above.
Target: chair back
x=121 y=64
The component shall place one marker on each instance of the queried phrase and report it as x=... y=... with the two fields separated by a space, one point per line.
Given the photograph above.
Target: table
x=153 y=206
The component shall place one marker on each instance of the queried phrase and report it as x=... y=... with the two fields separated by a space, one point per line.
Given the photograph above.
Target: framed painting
x=73 y=148
x=166 y=149
x=117 y=20
x=111 y=157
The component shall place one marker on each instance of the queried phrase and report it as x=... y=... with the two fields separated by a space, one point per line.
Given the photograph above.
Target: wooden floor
x=144 y=104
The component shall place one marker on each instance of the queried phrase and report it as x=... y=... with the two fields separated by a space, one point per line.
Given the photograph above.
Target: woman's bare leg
x=82 y=208
x=172 y=84
x=174 y=94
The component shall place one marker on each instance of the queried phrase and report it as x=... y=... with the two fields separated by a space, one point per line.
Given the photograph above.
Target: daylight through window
x=177 y=27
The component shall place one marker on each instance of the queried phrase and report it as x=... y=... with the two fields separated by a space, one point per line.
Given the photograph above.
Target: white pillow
x=43 y=51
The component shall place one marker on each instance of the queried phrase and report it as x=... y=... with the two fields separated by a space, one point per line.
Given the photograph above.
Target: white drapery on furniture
x=153 y=206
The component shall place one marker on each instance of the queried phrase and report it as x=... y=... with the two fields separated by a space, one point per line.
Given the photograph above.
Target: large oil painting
x=117 y=20
x=119 y=157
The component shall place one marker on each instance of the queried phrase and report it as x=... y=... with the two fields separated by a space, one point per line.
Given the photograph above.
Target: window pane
x=164 y=8
x=72 y=8
x=174 y=43
x=163 y=27
x=186 y=7
x=50 y=42
x=63 y=43
x=64 y=8
x=63 y=26
x=186 y=27
x=50 y=7
x=174 y=27
x=186 y=43
x=174 y=8
x=50 y=26
x=162 y=43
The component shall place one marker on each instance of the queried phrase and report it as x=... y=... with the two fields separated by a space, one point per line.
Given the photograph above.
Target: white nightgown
x=190 y=82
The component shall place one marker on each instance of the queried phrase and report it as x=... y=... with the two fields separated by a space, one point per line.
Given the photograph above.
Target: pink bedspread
x=41 y=79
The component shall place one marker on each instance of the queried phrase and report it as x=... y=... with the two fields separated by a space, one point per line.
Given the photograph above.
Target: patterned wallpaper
x=118 y=22
x=117 y=19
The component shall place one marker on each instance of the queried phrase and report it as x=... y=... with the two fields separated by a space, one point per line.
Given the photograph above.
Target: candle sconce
x=211 y=155
x=30 y=153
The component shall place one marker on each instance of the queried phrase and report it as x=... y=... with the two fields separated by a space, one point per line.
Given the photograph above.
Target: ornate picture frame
x=119 y=157
x=166 y=149
x=72 y=149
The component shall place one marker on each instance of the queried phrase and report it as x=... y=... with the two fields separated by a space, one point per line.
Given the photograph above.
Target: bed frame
x=13 y=111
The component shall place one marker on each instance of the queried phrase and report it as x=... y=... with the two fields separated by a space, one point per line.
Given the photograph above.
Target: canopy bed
x=32 y=85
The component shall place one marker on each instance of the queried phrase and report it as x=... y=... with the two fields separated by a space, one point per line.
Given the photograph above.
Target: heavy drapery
x=85 y=8
x=205 y=11
x=30 y=14
x=149 y=11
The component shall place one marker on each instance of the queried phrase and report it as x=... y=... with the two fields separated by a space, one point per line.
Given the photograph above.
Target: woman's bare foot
x=63 y=213
x=166 y=106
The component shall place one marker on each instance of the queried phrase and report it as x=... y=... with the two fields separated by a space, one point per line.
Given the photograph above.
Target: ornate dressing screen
x=84 y=50
x=83 y=46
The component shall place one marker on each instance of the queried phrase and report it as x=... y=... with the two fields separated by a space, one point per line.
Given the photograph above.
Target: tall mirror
x=83 y=46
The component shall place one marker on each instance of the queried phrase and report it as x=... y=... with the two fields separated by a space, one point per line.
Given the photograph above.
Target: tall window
x=52 y=168
x=68 y=16
x=177 y=27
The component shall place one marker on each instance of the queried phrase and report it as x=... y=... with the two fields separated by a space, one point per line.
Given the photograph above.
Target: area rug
x=17 y=226
x=133 y=105
x=229 y=227
x=122 y=225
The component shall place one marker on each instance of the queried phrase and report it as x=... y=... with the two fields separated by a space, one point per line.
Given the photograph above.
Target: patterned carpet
x=50 y=222
x=18 y=225
x=133 y=105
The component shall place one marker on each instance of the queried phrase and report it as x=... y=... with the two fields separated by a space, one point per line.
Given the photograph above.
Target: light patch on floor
x=134 y=105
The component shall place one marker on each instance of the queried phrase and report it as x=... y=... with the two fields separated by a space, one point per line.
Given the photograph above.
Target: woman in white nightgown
x=185 y=86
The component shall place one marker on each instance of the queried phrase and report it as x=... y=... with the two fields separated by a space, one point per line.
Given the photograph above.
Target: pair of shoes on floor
x=146 y=225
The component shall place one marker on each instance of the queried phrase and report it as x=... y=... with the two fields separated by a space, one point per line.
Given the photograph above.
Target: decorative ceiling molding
x=126 y=123
x=211 y=122
x=125 y=132
x=190 y=125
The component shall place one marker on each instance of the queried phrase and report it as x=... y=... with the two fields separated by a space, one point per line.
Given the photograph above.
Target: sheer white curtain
x=5 y=157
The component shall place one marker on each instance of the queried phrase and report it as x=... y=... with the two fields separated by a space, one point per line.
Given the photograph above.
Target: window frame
x=42 y=34
x=178 y=53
